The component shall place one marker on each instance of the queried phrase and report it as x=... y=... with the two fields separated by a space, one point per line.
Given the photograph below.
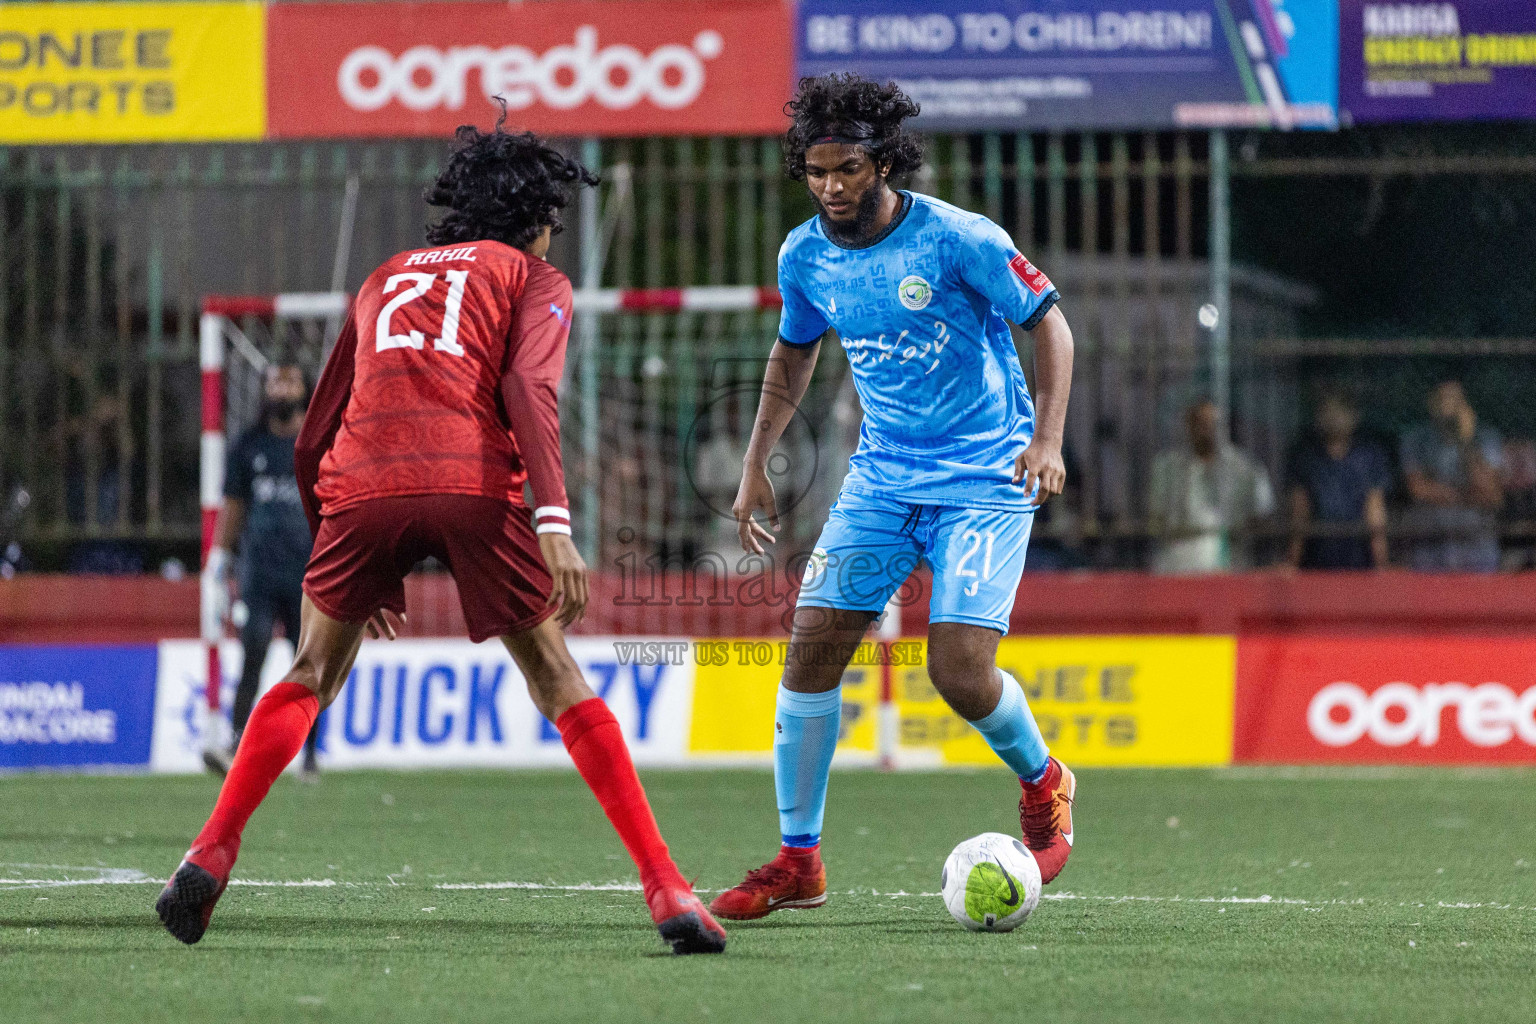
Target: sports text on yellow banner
x=132 y=72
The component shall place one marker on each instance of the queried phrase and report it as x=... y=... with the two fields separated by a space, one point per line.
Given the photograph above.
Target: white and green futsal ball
x=991 y=883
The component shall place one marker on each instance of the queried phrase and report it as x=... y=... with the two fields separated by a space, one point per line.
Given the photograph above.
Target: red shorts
x=363 y=553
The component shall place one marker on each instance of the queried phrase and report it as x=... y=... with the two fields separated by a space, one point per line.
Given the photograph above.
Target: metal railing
x=105 y=252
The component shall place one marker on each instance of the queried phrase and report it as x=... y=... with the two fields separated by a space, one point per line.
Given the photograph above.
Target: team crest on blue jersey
x=914 y=292
x=814 y=567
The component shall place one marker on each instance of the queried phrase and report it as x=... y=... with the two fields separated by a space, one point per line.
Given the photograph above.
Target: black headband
x=841 y=140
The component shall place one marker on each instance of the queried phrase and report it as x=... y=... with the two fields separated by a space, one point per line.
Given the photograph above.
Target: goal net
x=240 y=337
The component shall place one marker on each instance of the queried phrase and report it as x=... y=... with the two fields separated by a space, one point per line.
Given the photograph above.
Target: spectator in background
x=1202 y=492
x=1452 y=468
x=95 y=501
x=1339 y=481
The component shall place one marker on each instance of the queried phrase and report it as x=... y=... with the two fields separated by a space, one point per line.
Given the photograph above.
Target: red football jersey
x=451 y=356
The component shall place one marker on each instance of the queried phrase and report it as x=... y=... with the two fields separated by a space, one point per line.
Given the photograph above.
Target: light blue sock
x=1012 y=733
x=804 y=737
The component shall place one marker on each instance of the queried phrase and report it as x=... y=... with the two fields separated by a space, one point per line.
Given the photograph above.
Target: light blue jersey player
x=954 y=456
x=946 y=408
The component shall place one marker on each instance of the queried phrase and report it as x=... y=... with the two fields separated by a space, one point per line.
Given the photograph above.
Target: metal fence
x=105 y=252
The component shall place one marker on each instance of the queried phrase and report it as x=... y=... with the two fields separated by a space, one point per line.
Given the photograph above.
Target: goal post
x=239 y=337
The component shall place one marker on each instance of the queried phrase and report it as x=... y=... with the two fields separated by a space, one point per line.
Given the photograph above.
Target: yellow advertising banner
x=1099 y=700
x=735 y=685
x=108 y=72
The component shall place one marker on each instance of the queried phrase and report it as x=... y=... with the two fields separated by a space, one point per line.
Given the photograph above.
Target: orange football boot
x=795 y=878
x=1045 y=814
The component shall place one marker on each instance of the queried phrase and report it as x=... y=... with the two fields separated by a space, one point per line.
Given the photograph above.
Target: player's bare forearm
x=568 y=593
x=784 y=383
x=1041 y=463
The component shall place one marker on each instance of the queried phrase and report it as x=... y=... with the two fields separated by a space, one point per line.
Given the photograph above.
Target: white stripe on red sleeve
x=552 y=519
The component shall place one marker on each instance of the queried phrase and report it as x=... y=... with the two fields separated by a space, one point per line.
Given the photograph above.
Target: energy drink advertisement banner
x=1088 y=64
x=1437 y=62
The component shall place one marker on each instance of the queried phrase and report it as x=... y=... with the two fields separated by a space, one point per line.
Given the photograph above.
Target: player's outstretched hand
x=1040 y=468
x=385 y=623
x=755 y=495
x=569 y=592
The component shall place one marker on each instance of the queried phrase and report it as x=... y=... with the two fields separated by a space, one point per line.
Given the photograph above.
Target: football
x=991 y=883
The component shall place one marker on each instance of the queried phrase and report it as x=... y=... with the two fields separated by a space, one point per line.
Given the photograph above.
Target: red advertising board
x=1385 y=700
x=564 y=68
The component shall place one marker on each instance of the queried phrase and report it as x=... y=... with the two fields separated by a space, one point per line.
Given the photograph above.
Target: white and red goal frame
x=218 y=331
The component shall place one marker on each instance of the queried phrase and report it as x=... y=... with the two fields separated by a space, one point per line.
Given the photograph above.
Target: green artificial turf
x=1392 y=896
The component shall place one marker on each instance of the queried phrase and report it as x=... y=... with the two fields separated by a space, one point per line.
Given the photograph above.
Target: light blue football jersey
x=920 y=312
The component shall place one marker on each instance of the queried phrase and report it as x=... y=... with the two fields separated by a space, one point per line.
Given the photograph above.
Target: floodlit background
x=1280 y=624
x=1281 y=209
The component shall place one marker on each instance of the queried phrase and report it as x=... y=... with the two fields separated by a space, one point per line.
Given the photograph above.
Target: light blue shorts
x=871 y=545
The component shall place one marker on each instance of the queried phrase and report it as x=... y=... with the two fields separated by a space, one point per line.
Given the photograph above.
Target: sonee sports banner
x=1099 y=700
x=108 y=72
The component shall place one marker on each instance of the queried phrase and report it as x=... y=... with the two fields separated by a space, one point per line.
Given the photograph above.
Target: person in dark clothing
x=263 y=512
x=1339 y=481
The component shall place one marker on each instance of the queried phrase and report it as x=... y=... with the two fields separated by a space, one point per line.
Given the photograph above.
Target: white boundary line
x=133 y=876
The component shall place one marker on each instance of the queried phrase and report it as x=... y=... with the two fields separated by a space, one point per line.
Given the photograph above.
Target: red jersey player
x=437 y=405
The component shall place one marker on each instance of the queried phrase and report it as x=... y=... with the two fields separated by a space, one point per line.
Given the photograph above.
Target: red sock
x=272 y=739
x=596 y=743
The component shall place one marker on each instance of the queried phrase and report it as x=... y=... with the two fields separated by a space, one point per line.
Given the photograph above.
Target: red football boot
x=795 y=878
x=1045 y=813
x=186 y=903
x=682 y=920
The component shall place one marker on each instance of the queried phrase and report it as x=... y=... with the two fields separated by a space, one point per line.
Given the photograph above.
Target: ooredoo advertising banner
x=1038 y=64
x=563 y=68
x=1387 y=700
x=74 y=706
x=1470 y=60
x=106 y=72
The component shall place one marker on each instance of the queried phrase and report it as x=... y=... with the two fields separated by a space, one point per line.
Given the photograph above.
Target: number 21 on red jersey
x=415 y=285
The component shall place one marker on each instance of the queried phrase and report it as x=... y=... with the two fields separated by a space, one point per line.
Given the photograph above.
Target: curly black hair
x=502 y=186
x=848 y=106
